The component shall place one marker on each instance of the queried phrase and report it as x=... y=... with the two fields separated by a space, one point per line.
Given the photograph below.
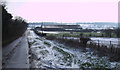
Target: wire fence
x=107 y=43
x=109 y=49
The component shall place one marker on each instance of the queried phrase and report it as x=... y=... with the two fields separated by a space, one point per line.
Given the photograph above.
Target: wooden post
x=98 y=42
x=110 y=43
x=42 y=27
x=90 y=43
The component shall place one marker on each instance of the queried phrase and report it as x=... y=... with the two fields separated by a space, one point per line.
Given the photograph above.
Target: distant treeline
x=84 y=32
x=11 y=28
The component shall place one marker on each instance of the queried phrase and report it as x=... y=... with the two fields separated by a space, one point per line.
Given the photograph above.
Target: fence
x=105 y=43
x=103 y=49
x=97 y=42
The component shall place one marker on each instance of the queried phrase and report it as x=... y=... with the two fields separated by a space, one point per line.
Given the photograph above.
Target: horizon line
x=71 y=22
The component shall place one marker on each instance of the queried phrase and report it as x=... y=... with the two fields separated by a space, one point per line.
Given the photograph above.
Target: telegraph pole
x=42 y=27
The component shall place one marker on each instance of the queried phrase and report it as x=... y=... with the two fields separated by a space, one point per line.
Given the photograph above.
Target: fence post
x=98 y=42
x=110 y=43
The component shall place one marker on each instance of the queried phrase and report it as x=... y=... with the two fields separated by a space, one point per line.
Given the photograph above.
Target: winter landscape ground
x=50 y=54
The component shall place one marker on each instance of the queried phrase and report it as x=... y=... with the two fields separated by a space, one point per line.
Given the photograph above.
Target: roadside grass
x=28 y=33
x=61 y=51
x=44 y=52
x=47 y=43
x=96 y=63
x=92 y=63
x=39 y=39
x=67 y=58
x=31 y=43
x=101 y=50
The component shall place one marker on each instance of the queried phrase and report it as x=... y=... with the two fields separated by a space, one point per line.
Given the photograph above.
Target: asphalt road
x=15 y=55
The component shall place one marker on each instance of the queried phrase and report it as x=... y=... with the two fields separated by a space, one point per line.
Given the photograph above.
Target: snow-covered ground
x=107 y=41
x=50 y=54
x=102 y=40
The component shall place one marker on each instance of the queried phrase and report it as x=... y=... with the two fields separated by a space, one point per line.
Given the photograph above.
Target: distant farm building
x=59 y=28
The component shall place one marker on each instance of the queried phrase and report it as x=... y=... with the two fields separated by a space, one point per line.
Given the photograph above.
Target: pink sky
x=65 y=11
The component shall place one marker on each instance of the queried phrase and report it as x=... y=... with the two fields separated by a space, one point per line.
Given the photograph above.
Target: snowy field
x=50 y=54
x=104 y=41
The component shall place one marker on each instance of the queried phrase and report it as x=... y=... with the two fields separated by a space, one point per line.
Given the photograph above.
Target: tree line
x=11 y=28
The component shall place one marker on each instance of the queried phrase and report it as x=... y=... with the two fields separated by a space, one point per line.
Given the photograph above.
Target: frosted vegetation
x=50 y=54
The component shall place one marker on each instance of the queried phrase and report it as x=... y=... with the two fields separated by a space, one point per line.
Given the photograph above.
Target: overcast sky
x=65 y=11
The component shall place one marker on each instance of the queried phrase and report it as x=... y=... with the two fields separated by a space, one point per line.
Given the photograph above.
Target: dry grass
x=102 y=50
x=111 y=52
